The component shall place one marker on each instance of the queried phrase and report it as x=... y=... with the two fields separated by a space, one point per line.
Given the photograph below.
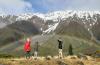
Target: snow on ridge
x=24 y=16
x=51 y=28
x=54 y=15
x=68 y=13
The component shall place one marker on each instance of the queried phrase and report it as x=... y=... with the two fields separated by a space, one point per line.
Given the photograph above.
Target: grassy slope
x=50 y=46
x=96 y=31
x=73 y=29
x=16 y=31
x=79 y=45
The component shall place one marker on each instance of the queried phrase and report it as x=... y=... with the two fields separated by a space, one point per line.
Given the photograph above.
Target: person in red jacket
x=27 y=47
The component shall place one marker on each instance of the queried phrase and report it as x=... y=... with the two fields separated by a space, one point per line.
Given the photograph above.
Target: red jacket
x=27 y=46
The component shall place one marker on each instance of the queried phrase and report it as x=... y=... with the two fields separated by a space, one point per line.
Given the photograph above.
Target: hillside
x=80 y=46
x=73 y=28
x=96 y=30
x=49 y=42
x=79 y=28
x=17 y=31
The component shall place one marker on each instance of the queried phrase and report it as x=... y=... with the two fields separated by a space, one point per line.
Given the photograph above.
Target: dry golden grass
x=52 y=61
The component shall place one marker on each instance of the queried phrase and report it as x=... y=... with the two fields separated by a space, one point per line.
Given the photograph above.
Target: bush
x=70 y=50
x=5 y=56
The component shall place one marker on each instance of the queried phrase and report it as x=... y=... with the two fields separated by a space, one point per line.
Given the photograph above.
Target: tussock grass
x=64 y=61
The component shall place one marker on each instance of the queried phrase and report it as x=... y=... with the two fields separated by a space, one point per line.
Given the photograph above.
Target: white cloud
x=22 y=6
x=85 y=4
x=14 y=6
x=71 y=4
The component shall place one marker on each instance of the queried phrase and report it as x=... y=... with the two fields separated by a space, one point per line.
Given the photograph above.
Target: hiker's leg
x=60 y=53
x=35 y=54
x=28 y=54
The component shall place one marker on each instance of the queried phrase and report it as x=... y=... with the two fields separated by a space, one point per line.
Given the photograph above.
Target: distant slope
x=48 y=45
x=73 y=28
x=17 y=48
x=80 y=46
x=80 y=28
x=16 y=31
x=96 y=30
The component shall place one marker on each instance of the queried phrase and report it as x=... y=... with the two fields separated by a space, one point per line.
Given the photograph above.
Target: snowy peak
x=55 y=15
x=69 y=13
x=86 y=18
x=27 y=16
x=51 y=28
x=58 y=14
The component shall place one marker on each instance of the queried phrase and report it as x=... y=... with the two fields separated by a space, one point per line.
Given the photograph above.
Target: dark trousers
x=27 y=55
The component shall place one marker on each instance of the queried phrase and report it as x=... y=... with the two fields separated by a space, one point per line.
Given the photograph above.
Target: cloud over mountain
x=44 y=6
x=14 y=6
x=54 y=5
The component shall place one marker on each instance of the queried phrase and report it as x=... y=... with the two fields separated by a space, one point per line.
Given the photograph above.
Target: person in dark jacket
x=36 y=50
x=60 y=45
x=27 y=48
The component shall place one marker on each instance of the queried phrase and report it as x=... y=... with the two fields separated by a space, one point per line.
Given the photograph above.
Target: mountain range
x=81 y=24
x=47 y=23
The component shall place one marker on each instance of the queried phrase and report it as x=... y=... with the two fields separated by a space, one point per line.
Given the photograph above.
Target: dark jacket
x=60 y=44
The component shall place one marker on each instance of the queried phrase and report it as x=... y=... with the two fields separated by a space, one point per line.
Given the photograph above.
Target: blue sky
x=54 y=5
x=44 y=6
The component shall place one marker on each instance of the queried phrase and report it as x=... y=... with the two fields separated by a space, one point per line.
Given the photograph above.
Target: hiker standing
x=36 y=50
x=27 y=48
x=60 y=48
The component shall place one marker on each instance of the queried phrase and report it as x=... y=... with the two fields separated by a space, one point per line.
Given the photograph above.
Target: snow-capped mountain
x=86 y=18
x=82 y=24
x=58 y=14
x=55 y=15
x=81 y=27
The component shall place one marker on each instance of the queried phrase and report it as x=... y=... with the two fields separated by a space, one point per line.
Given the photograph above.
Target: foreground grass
x=52 y=61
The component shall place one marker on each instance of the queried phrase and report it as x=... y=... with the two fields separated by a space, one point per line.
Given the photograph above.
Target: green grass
x=16 y=31
x=79 y=45
x=50 y=47
x=6 y=56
